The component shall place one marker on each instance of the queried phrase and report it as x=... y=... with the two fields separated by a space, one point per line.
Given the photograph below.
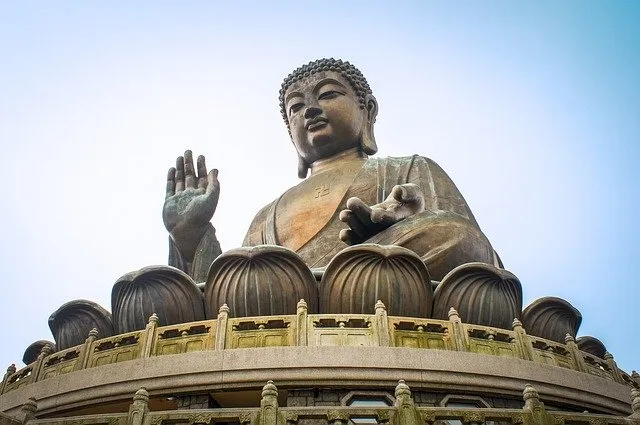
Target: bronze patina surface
x=345 y=198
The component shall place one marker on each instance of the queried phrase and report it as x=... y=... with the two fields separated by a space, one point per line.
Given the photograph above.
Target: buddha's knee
x=443 y=241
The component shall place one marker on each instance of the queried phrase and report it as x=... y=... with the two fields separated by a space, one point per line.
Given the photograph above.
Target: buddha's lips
x=316 y=123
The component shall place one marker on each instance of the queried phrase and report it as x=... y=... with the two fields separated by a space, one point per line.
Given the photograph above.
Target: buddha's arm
x=256 y=235
x=207 y=249
x=190 y=202
x=440 y=192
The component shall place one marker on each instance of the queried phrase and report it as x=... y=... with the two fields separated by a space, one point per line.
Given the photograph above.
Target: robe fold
x=445 y=235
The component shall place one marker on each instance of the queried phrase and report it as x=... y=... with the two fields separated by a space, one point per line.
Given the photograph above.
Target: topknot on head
x=348 y=71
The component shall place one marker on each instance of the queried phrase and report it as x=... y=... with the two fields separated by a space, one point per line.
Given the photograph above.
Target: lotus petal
x=360 y=275
x=481 y=293
x=551 y=318
x=262 y=280
x=33 y=351
x=591 y=345
x=166 y=291
x=71 y=323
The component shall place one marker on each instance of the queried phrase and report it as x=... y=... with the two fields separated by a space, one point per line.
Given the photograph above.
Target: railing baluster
x=149 y=337
x=608 y=358
x=269 y=405
x=221 y=332
x=86 y=352
x=45 y=352
x=523 y=340
x=10 y=371
x=406 y=412
x=302 y=329
x=382 y=325
x=139 y=408
x=28 y=410
x=578 y=359
x=459 y=333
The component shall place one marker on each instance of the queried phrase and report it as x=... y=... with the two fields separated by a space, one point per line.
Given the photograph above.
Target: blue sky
x=532 y=109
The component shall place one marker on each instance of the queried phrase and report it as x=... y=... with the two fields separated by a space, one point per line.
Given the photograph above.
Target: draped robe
x=445 y=235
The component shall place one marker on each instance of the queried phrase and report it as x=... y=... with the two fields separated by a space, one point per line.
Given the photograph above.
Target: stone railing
x=303 y=329
x=403 y=412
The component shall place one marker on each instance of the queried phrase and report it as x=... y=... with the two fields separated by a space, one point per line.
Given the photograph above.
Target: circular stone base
x=312 y=367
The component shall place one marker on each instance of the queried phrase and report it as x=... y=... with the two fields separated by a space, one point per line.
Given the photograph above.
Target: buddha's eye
x=295 y=108
x=329 y=94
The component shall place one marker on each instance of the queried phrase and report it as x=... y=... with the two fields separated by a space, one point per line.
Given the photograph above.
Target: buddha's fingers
x=171 y=182
x=202 y=172
x=405 y=192
x=384 y=218
x=349 y=237
x=409 y=193
x=213 y=185
x=189 y=172
x=347 y=216
x=361 y=210
x=179 y=174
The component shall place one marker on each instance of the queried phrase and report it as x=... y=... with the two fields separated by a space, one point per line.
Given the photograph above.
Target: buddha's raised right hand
x=190 y=202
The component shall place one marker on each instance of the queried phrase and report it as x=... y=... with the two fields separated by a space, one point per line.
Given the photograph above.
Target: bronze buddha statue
x=381 y=231
x=345 y=197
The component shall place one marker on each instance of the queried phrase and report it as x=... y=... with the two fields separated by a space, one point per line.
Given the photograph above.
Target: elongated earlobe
x=303 y=167
x=369 y=145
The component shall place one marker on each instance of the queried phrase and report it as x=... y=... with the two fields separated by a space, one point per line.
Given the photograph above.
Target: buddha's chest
x=306 y=209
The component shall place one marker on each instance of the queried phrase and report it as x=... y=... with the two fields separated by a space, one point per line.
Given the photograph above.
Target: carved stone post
x=523 y=341
x=85 y=355
x=302 y=331
x=10 y=371
x=635 y=404
x=139 y=408
x=635 y=376
x=221 y=333
x=269 y=405
x=37 y=368
x=459 y=336
x=149 y=337
x=406 y=413
x=608 y=358
x=28 y=410
x=576 y=355
x=537 y=415
x=382 y=325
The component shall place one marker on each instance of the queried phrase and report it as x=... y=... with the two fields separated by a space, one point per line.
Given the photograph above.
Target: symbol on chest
x=322 y=190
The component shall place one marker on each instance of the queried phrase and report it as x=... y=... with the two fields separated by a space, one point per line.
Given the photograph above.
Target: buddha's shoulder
x=402 y=161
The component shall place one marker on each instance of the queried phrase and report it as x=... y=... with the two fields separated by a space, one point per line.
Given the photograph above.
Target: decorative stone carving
x=591 y=345
x=166 y=291
x=72 y=322
x=33 y=351
x=362 y=274
x=551 y=318
x=263 y=280
x=481 y=293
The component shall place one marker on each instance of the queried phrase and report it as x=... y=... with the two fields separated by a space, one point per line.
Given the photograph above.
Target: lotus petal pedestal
x=360 y=275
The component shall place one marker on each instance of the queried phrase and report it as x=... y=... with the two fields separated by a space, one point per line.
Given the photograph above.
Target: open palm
x=190 y=201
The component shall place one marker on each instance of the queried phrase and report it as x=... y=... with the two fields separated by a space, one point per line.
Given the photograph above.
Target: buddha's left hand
x=366 y=221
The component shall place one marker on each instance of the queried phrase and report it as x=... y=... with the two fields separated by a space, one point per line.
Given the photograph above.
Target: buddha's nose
x=312 y=111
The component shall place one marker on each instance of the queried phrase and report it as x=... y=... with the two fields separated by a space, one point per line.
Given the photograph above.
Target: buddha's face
x=324 y=115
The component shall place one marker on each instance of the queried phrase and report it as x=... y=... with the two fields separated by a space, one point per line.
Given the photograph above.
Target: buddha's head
x=328 y=108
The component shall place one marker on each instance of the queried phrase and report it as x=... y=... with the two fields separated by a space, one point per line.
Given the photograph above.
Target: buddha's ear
x=303 y=167
x=368 y=139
